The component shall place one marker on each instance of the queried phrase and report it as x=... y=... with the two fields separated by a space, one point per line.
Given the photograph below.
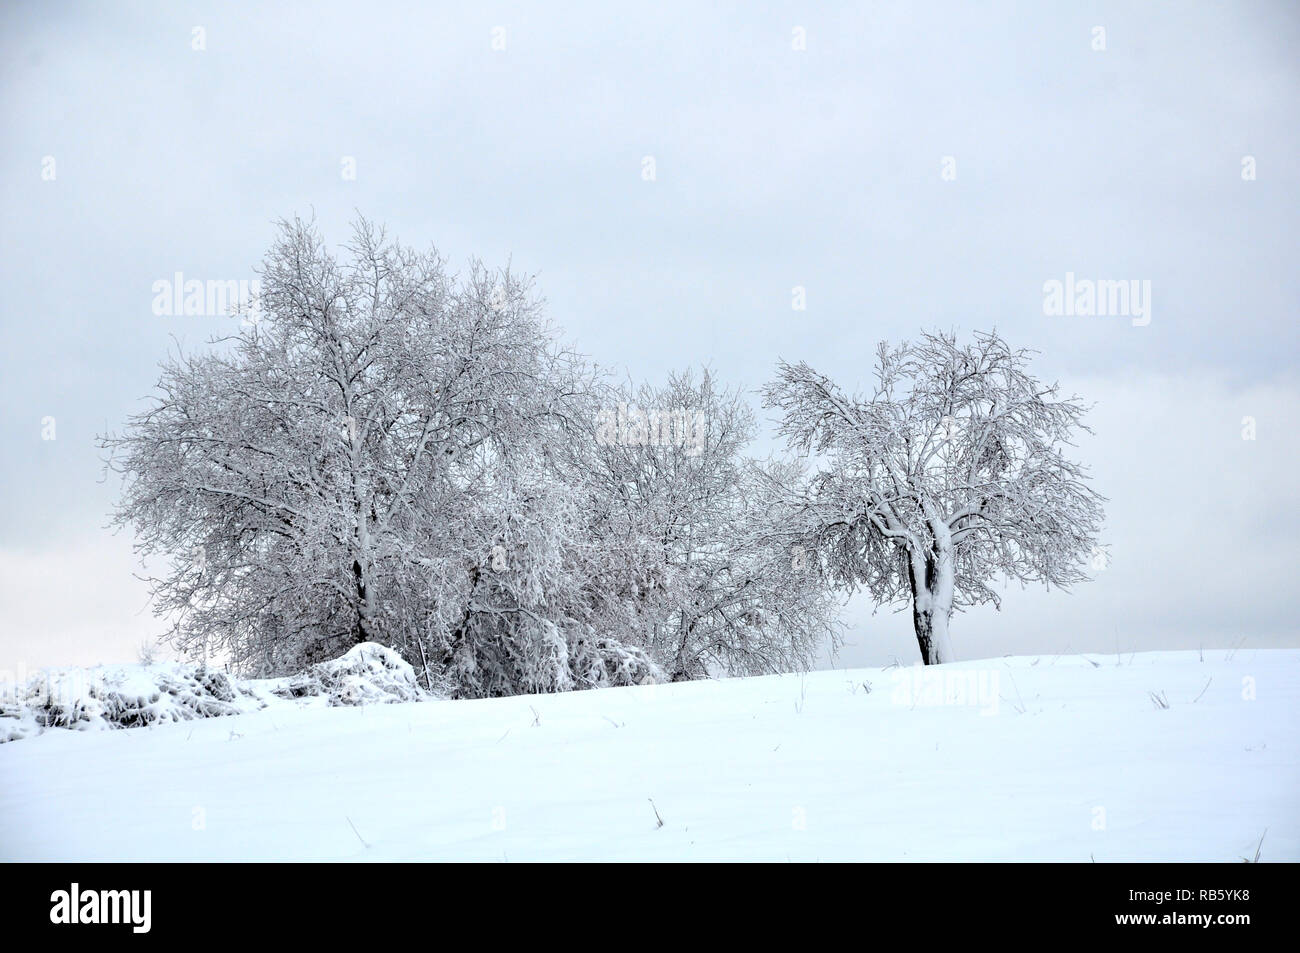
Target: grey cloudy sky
x=775 y=168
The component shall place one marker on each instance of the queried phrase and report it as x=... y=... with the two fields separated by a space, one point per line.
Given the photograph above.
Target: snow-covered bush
x=124 y=696
x=135 y=696
x=603 y=662
x=367 y=674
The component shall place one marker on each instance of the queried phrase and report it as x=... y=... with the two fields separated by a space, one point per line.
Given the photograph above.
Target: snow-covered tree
x=679 y=517
x=952 y=472
x=392 y=454
x=335 y=472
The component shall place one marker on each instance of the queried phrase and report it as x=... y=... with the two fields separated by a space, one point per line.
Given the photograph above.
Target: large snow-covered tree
x=347 y=467
x=950 y=474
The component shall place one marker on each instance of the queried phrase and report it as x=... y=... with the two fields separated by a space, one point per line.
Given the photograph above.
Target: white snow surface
x=1063 y=758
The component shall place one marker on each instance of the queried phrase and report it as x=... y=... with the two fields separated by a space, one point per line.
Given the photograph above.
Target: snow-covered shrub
x=16 y=723
x=367 y=674
x=501 y=656
x=122 y=696
x=605 y=662
x=134 y=696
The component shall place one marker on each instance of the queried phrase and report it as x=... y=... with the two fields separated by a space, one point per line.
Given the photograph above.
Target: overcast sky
x=914 y=165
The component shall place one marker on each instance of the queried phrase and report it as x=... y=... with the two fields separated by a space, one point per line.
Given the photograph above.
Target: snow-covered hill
x=1066 y=758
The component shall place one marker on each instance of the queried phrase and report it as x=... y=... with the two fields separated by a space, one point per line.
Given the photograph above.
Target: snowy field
x=1051 y=758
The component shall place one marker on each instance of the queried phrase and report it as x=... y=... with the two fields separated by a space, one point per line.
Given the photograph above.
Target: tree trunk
x=932 y=591
x=364 y=631
x=680 y=672
x=931 y=627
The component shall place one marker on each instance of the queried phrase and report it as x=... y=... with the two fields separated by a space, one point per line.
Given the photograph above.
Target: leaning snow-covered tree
x=951 y=474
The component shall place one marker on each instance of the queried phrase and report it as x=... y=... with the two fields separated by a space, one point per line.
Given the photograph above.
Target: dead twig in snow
x=1247 y=860
x=355 y=831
